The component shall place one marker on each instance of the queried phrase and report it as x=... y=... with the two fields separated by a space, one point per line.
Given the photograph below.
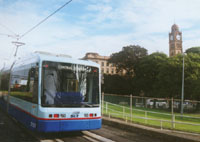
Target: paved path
x=120 y=135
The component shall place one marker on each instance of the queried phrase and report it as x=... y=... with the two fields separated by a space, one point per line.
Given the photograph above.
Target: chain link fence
x=157 y=112
x=189 y=106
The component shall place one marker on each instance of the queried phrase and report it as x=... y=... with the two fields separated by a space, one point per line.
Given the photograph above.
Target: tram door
x=33 y=90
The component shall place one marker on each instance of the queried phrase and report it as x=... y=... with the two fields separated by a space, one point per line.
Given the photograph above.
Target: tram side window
x=4 y=82
x=24 y=84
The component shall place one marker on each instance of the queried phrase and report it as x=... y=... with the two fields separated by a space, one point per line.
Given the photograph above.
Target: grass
x=159 y=116
x=22 y=95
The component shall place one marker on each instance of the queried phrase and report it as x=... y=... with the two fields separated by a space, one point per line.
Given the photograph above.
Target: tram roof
x=66 y=59
x=38 y=57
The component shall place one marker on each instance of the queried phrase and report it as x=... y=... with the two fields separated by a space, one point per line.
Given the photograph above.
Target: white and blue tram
x=53 y=93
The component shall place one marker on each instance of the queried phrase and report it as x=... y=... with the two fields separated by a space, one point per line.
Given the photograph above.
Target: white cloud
x=99 y=26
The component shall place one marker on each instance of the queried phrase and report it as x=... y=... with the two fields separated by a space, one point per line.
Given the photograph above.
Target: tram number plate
x=75 y=114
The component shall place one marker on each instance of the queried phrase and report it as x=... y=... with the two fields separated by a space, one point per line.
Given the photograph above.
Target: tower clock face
x=178 y=37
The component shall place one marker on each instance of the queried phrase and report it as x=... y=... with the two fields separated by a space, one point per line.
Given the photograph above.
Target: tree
x=193 y=50
x=170 y=77
x=147 y=72
x=192 y=76
x=128 y=58
x=155 y=75
x=116 y=84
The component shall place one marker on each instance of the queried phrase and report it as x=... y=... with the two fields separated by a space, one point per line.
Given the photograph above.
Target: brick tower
x=175 y=41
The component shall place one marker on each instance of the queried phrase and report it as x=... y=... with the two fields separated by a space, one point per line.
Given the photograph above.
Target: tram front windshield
x=69 y=85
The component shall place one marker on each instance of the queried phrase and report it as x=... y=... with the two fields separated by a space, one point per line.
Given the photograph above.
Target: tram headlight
x=56 y=115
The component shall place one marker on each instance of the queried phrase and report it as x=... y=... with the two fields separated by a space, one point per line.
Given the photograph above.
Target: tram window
x=4 y=81
x=69 y=85
x=24 y=84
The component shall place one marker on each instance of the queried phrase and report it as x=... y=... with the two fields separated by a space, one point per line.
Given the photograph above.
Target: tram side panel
x=21 y=111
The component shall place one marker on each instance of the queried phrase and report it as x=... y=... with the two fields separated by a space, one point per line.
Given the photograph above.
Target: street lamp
x=182 y=91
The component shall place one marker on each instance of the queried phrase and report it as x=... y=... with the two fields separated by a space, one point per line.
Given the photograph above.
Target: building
x=106 y=67
x=175 y=41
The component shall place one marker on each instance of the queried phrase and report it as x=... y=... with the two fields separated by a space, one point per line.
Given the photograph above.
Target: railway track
x=97 y=137
x=85 y=136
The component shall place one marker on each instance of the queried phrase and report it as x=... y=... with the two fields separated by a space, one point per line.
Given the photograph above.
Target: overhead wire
x=31 y=29
x=17 y=36
x=12 y=36
x=4 y=34
x=7 y=29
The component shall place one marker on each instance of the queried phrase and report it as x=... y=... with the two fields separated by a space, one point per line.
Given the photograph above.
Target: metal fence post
x=173 y=118
x=102 y=102
x=106 y=107
x=174 y=121
x=131 y=107
x=145 y=102
x=123 y=111
x=172 y=106
x=145 y=117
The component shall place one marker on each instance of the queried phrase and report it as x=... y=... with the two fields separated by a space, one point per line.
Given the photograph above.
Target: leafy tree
x=155 y=75
x=170 y=77
x=147 y=72
x=117 y=84
x=124 y=60
x=192 y=76
x=128 y=58
x=193 y=50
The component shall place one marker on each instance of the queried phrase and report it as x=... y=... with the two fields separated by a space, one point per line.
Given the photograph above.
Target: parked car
x=159 y=103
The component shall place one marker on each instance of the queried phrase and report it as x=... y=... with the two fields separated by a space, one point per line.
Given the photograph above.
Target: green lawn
x=161 y=117
x=22 y=95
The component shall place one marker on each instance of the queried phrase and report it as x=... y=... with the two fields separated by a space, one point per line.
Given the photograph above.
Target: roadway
x=11 y=131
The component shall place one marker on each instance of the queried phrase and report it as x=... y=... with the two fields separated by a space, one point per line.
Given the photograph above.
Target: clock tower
x=175 y=41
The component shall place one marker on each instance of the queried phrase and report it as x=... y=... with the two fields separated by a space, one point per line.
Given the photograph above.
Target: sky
x=102 y=26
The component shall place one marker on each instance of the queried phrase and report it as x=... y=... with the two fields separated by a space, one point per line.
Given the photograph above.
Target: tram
x=53 y=93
